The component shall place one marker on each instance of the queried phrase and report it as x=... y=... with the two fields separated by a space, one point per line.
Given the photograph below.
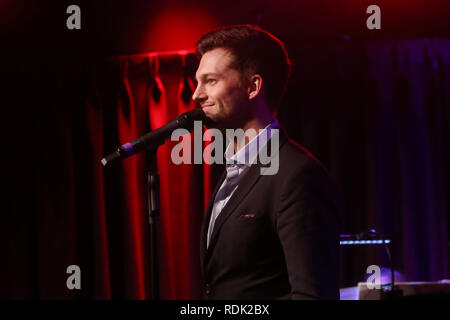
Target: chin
x=209 y=123
x=214 y=123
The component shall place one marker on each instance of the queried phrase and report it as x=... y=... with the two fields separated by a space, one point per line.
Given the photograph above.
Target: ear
x=254 y=86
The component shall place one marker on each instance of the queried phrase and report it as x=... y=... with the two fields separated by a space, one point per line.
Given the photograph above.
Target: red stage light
x=178 y=27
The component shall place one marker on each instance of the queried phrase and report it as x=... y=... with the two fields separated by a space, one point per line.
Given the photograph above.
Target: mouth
x=206 y=106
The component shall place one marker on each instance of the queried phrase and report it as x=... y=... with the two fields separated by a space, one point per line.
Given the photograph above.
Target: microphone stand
x=153 y=212
x=150 y=142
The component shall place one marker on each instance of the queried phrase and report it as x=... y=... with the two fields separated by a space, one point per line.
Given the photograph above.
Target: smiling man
x=263 y=236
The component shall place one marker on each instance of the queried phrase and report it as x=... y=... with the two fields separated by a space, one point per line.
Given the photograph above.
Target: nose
x=199 y=94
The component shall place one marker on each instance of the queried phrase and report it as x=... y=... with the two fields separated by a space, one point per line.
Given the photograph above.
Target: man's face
x=220 y=91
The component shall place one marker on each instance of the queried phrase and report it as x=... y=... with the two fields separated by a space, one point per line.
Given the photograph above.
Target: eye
x=211 y=81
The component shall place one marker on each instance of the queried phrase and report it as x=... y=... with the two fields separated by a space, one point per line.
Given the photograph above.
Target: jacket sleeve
x=307 y=225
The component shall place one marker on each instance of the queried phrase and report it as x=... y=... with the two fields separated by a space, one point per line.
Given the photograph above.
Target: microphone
x=156 y=137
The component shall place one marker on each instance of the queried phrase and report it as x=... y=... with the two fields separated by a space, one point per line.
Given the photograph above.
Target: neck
x=251 y=129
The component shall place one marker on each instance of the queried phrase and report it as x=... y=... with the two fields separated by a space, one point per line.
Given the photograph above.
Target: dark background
x=354 y=101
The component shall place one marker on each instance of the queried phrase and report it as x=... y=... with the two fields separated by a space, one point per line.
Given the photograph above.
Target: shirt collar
x=248 y=154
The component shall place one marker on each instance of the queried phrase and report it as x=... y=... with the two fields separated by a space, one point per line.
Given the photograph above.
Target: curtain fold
x=412 y=151
x=151 y=92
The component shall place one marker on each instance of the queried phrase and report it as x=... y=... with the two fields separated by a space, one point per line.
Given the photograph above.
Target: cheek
x=227 y=97
x=219 y=96
x=236 y=97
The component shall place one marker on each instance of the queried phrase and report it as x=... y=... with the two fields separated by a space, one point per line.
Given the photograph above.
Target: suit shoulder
x=294 y=157
x=301 y=169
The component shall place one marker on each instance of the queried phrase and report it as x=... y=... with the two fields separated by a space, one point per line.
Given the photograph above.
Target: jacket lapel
x=244 y=187
x=242 y=190
x=206 y=219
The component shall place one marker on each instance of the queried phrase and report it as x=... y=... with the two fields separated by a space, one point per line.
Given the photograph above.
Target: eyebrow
x=207 y=75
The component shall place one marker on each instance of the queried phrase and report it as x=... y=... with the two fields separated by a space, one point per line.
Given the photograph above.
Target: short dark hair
x=256 y=51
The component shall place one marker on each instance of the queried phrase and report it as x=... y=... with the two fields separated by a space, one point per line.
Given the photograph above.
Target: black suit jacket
x=277 y=236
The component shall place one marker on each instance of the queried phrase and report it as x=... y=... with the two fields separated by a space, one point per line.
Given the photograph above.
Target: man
x=271 y=236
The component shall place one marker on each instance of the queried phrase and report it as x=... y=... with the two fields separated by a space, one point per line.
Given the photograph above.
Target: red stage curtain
x=130 y=97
